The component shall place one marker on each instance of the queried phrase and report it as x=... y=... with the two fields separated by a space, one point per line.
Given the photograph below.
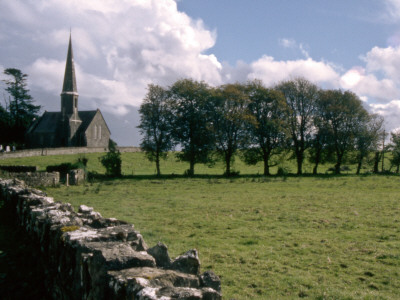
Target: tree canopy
x=19 y=109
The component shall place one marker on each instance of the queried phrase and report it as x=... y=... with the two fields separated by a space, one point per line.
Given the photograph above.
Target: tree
x=395 y=148
x=4 y=126
x=367 y=138
x=112 y=162
x=344 y=116
x=155 y=125
x=265 y=127
x=228 y=121
x=22 y=111
x=301 y=96
x=189 y=102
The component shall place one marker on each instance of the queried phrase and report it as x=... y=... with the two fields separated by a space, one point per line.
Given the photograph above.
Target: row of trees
x=210 y=123
x=17 y=111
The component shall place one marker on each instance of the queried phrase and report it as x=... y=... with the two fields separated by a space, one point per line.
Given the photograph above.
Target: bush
x=63 y=168
x=112 y=162
x=18 y=169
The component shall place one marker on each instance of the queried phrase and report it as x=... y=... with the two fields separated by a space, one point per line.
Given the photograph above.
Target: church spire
x=69 y=85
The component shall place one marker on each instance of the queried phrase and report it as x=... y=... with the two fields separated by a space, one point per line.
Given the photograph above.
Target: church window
x=95 y=132
x=99 y=132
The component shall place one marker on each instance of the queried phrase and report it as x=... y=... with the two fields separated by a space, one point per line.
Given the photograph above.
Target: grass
x=324 y=237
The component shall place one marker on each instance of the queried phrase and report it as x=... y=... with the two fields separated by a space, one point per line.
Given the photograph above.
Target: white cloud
x=385 y=60
x=287 y=43
x=367 y=85
x=292 y=44
x=271 y=71
x=392 y=12
x=390 y=111
x=119 y=46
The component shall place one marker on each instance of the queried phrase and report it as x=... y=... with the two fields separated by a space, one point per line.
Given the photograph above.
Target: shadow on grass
x=102 y=177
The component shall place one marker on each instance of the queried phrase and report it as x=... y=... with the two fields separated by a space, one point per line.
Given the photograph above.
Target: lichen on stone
x=69 y=228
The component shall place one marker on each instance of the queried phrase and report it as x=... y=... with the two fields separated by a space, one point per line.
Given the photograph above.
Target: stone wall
x=37 y=178
x=61 y=151
x=86 y=256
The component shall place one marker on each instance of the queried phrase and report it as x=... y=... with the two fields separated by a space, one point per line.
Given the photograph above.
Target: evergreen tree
x=21 y=109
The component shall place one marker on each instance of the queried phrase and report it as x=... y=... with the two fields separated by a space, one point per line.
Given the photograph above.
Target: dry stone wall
x=62 y=151
x=86 y=256
x=37 y=178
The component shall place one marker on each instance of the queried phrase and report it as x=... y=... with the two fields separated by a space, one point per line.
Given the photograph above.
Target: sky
x=122 y=46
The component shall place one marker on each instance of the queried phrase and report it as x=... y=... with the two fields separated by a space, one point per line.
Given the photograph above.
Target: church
x=70 y=127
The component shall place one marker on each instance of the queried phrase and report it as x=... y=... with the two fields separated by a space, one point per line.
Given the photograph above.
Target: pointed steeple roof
x=69 y=85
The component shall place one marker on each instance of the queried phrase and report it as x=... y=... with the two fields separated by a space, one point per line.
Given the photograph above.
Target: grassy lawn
x=326 y=237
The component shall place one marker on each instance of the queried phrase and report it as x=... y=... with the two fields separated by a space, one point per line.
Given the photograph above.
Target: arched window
x=94 y=132
x=99 y=132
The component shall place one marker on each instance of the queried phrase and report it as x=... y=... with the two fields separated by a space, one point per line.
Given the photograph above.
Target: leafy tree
x=22 y=111
x=343 y=115
x=301 y=96
x=228 y=121
x=4 y=126
x=112 y=162
x=265 y=127
x=367 y=138
x=320 y=150
x=395 y=148
x=189 y=102
x=155 y=125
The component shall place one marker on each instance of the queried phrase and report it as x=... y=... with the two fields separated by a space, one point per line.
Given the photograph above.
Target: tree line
x=259 y=123
x=17 y=110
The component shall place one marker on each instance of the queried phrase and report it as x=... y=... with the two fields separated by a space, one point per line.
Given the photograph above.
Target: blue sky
x=337 y=31
x=122 y=46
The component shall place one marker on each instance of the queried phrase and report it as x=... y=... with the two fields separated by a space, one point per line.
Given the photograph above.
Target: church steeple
x=69 y=85
x=69 y=94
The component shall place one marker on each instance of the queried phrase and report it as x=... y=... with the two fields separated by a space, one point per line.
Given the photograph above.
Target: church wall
x=41 y=140
x=97 y=133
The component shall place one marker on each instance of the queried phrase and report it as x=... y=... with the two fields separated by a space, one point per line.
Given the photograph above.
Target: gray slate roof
x=49 y=122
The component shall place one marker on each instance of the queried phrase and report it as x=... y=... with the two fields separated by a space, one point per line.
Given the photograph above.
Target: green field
x=325 y=237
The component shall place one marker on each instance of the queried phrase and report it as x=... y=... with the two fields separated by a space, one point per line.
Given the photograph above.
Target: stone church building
x=70 y=127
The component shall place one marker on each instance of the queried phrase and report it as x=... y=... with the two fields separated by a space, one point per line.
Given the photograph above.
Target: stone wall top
x=61 y=151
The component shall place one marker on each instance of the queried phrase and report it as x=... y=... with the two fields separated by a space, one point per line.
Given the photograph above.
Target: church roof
x=86 y=117
x=47 y=123
x=69 y=85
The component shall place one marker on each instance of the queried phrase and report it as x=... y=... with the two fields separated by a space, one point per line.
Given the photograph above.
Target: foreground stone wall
x=61 y=151
x=86 y=256
x=37 y=178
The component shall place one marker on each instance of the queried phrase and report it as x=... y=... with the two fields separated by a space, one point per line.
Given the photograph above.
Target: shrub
x=112 y=162
x=18 y=169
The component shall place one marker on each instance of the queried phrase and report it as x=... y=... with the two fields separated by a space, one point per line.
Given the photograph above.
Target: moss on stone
x=69 y=228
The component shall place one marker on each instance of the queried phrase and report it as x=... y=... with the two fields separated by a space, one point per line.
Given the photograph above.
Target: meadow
x=317 y=237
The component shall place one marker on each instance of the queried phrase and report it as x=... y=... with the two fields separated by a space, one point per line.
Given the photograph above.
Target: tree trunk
x=299 y=157
x=315 y=169
x=397 y=169
x=266 y=163
x=228 y=164
x=376 y=162
x=317 y=160
x=359 y=166
x=158 y=164
x=191 y=168
x=338 y=163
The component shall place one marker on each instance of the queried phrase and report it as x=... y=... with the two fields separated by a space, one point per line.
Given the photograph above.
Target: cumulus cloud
x=119 y=46
x=122 y=46
x=271 y=71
